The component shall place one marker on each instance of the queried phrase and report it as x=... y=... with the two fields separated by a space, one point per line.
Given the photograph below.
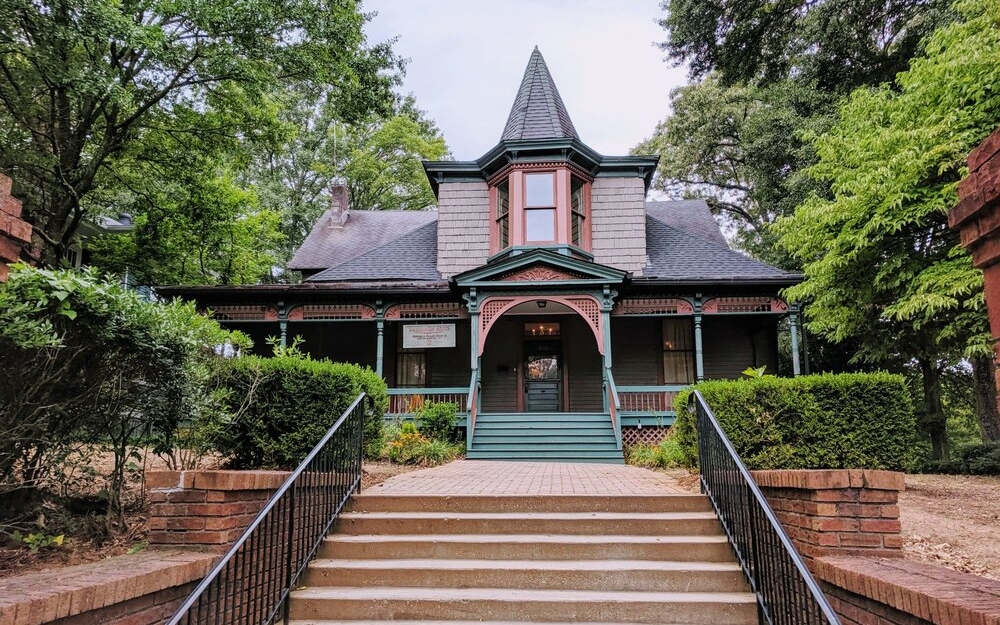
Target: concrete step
x=624 y=575
x=537 y=417
x=530 y=454
x=374 y=502
x=636 y=523
x=422 y=622
x=567 y=438
x=405 y=603
x=528 y=547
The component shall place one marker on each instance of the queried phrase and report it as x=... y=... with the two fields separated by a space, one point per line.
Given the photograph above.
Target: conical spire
x=538 y=111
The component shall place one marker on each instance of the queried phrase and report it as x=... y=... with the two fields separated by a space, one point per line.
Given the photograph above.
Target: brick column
x=977 y=218
x=837 y=512
x=15 y=233
x=208 y=509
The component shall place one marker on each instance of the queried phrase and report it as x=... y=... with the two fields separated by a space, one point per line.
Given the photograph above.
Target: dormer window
x=540 y=206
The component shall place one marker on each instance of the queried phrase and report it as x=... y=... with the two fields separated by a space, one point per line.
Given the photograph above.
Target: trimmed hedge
x=976 y=459
x=280 y=407
x=828 y=421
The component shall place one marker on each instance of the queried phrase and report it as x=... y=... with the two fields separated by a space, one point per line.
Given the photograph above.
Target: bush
x=437 y=419
x=280 y=407
x=829 y=421
x=975 y=459
x=668 y=454
x=408 y=446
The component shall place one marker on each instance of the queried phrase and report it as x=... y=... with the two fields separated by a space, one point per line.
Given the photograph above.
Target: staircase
x=463 y=559
x=541 y=436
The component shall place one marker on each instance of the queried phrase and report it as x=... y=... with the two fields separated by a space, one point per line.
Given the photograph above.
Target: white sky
x=467 y=58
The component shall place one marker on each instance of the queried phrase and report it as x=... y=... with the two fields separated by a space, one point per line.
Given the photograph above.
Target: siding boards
x=340 y=341
x=636 y=352
x=618 y=222
x=583 y=365
x=463 y=226
x=502 y=351
x=449 y=367
x=732 y=343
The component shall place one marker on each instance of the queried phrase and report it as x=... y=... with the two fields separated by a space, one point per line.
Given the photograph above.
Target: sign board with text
x=424 y=336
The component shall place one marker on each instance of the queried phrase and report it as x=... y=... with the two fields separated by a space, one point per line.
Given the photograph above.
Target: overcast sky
x=466 y=59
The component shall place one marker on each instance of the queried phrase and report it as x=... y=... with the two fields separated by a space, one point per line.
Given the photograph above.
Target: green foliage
x=407 y=445
x=279 y=408
x=975 y=459
x=437 y=419
x=82 y=359
x=85 y=81
x=667 y=455
x=830 y=421
x=36 y=541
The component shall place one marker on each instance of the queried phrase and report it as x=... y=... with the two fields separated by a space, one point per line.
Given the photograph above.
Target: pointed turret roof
x=538 y=111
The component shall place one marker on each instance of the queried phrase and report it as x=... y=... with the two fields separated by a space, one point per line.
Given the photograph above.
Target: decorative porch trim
x=540 y=273
x=653 y=306
x=427 y=310
x=242 y=313
x=743 y=305
x=331 y=312
x=587 y=306
x=545 y=165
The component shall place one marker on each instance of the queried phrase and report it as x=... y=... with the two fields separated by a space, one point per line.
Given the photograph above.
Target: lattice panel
x=654 y=306
x=590 y=309
x=331 y=312
x=245 y=313
x=427 y=310
x=632 y=436
x=744 y=305
x=488 y=310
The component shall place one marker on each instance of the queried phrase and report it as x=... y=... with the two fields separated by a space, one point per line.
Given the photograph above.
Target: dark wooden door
x=542 y=376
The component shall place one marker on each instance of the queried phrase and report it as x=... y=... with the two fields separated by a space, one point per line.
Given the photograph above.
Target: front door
x=542 y=375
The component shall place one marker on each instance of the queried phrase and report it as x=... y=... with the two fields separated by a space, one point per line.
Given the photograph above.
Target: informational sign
x=423 y=336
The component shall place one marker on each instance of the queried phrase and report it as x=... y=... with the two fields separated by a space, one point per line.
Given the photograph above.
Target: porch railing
x=651 y=400
x=786 y=592
x=403 y=401
x=614 y=405
x=253 y=580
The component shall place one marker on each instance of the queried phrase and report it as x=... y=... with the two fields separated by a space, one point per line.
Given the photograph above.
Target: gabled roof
x=538 y=111
x=411 y=257
x=506 y=271
x=364 y=230
x=691 y=216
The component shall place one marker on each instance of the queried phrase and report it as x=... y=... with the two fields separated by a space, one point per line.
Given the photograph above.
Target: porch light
x=541 y=303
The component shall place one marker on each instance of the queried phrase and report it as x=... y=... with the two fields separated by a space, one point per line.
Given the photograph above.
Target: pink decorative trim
x=424 y=310
x=548 y=165
x=331 y=312
x=744 y=305
x=539 y=273
x=653 y=306
x=492 y=308
x=244 y=313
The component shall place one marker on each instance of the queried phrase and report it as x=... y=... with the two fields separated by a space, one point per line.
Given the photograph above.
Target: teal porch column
x=793 y=326
x=380 y=338
x=283 y=324
x=699 y=355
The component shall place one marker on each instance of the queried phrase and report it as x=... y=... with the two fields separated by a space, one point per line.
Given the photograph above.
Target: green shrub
x=280 y=407
x=407 y=445
x=974 y=459
x=829 y=421
x=668 y=454
x=437 y=419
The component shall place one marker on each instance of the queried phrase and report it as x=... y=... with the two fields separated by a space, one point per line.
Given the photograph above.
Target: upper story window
x=540 y=207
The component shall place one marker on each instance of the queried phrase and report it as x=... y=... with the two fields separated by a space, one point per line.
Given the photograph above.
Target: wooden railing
x=404 y=401
x=651 y=400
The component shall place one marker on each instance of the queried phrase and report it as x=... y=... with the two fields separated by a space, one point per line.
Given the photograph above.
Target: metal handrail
x=787 y=593
x=614 y=405
x=470 y=403
x=252 y=582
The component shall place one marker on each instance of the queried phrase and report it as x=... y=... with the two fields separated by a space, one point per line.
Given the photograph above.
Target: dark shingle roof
x=692 y=216
x=538 y=111
x=412 y=256
x=364 y=230
x=677 y=254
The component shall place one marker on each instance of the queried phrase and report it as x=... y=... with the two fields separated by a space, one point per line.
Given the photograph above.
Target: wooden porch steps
x=545 y=436
x=441 y=560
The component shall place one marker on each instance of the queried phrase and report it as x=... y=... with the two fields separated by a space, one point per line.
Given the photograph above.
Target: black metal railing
x=786 y=592
x=251 y=584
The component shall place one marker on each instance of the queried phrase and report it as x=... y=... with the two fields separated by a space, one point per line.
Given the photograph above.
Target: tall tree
x=81 y=80
x=881 y=264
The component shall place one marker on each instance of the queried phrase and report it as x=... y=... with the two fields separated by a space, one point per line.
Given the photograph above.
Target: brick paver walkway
x=482 y=477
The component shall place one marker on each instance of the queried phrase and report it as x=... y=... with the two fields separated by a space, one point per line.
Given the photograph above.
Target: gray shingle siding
x=618 y=222
x=463 y=226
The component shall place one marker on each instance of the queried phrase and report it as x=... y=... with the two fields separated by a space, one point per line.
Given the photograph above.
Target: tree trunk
x=933 y=420
x=985 y=388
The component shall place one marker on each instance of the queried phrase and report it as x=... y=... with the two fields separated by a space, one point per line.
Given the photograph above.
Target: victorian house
x=545 y=295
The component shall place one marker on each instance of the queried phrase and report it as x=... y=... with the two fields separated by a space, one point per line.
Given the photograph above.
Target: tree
x=379 y=157
x=881 y=264
x=741 y=148
x=82 y=80
x=835 y=44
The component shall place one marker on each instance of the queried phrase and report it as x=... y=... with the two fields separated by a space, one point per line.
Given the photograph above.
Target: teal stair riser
x=557 y=437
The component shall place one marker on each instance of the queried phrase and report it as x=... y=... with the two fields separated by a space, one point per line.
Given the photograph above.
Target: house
x=545 y=295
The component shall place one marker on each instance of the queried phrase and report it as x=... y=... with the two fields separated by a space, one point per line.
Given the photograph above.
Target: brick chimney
x=340 y=203
x=15 y=233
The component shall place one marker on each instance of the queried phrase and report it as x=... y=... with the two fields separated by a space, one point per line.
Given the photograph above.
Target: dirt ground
x=953 y=521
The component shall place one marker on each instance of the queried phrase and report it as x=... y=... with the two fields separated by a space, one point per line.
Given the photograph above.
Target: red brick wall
x=15 y=233
x=837 y=512
x=206 y=508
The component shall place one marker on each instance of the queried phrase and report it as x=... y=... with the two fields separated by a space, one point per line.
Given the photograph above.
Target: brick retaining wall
x=207 y=509
x=837 y=512
x=15 y=233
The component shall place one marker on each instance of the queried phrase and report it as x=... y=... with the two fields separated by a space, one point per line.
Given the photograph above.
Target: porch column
x=380 y=337
x=606 y=338
x=793 y=326
x=699 y=356
x=283 y=324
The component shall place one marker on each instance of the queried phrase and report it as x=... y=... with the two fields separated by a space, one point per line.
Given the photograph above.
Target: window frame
x=688 y=352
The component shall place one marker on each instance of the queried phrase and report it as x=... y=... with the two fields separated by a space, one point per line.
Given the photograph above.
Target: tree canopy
x=82 y=81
